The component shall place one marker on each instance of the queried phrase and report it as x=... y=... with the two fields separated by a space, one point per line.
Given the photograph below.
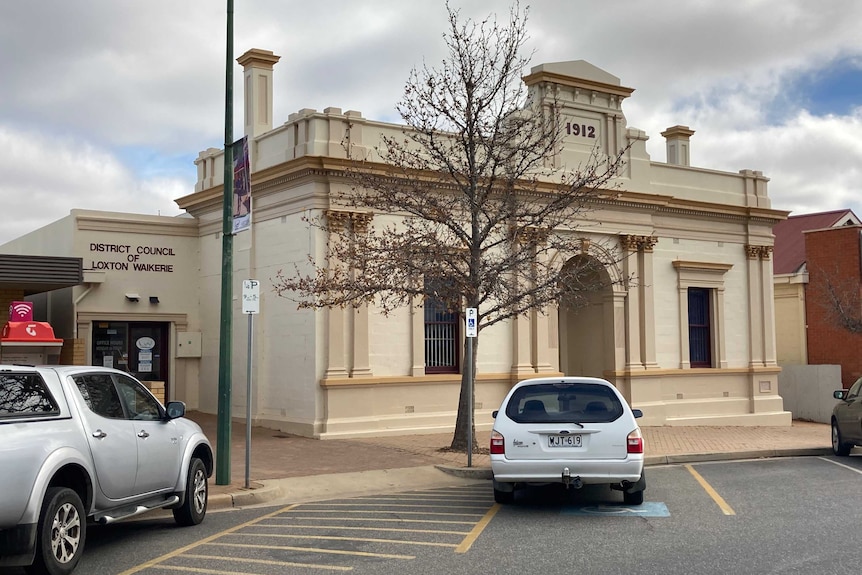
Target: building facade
x=691 y=342
x=817 y=256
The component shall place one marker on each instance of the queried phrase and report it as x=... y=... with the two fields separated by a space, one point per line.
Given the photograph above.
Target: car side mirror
x=840 y=394
x=494 y=413
x=637 y=413
x=175 y=409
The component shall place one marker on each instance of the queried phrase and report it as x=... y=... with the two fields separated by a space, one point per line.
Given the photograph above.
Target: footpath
x=294 y=469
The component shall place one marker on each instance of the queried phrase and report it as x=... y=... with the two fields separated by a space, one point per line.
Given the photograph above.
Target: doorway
x=138 y=348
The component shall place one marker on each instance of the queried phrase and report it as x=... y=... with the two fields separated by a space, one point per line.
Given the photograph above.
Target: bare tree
x=483 y=216
x=839 y=295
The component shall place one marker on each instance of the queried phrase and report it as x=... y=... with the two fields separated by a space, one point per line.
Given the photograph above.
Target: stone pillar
x=361 y=360
x=542 y=338
x=770 y=357
x=522 y=346
x=755 y=306
x=257 y=76
x=336 y=364
x=417 y=332
x=762 y=306
x=631 y=269
x=646 y=291
x=678 y=146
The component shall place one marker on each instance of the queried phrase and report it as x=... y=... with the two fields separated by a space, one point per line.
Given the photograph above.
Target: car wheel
x=194 y=507
x=503 y=497
x=838 y=445
x=61 y=533
x=633 y=498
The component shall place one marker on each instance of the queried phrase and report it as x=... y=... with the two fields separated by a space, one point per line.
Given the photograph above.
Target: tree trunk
x=468 y=385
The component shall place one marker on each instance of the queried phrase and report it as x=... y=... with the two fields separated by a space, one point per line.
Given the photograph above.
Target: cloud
x=106 y=104
x=45 y=177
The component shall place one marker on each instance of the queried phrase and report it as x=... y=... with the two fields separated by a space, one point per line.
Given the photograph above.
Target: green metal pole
x=226 y=327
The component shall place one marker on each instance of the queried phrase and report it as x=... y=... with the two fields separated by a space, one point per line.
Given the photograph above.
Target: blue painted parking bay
x=646 y=509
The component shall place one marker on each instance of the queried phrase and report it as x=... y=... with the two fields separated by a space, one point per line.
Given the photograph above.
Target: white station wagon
x=570 y=430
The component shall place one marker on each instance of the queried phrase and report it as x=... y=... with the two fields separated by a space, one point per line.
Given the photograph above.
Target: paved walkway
x=277 y=456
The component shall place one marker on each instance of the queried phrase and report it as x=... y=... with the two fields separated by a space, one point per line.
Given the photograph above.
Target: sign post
x=250 y=307
x=472 y=317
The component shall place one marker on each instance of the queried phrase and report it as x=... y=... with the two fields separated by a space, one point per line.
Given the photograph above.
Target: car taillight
x=498 y=446
x=634 y=442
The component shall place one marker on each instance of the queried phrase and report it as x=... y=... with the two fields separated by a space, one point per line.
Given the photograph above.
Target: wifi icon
x=21 y=311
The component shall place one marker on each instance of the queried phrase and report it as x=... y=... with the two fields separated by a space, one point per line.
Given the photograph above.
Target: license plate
x=565 y=440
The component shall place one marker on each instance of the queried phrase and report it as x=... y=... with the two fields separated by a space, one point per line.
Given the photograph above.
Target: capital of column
x=337 y=220
x=758 y=252
x=361 y=221
x=637 y=243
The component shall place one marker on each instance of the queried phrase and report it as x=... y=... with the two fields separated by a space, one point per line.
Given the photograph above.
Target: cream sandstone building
x=691 y=343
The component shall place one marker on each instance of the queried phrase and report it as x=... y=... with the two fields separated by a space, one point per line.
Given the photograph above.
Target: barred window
x=442 y=337
x=699 y=328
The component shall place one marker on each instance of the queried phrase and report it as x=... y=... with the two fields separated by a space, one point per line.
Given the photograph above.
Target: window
x=100 y=395
x=564 y=403
x=138 y=403
x=701 y=314
x=25 y=394
x=441 y=338
x=699 y=328
x=117 y=397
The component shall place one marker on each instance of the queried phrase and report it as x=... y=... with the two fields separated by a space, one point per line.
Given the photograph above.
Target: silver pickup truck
x=83 y=443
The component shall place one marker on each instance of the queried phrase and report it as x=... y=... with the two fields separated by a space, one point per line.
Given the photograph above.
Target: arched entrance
x=586 y=318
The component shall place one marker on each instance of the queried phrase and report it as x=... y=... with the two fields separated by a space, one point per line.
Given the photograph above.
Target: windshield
x=564 y=403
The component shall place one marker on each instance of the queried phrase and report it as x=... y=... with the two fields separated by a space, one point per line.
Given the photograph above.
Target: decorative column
x=629 y=245
x=361 y=361
x=762 y=306
x=755 y=306
x=646 y=294
x=640 y=304
x=336 y=365
x=525 y=332
x=417 y=338
x=770 y=353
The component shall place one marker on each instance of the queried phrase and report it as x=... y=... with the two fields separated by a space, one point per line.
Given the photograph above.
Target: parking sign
x=250 y=296
x=472 y=322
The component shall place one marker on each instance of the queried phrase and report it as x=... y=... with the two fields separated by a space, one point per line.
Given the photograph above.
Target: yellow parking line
x=382 y=504
x=725 y=508
x=337 y=538
x=262 y=562
x=352 y=528
x=477 y=530
x=316 y=550
x=380 y=520
x=372 y=511
x=205 y=541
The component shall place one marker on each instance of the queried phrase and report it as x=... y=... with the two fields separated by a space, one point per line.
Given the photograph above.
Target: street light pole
x=226 y=325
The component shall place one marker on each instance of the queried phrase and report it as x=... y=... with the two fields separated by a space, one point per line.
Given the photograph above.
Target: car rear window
x=25 y=394
x=564 y=403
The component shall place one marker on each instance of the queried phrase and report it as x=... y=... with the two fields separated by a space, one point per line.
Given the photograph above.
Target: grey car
x=89 y=444
x=847 y=419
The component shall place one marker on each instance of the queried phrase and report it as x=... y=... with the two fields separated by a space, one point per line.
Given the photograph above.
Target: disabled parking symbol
x=646 y=509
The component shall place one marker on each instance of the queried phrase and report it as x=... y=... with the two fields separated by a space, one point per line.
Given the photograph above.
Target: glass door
x=138 y=348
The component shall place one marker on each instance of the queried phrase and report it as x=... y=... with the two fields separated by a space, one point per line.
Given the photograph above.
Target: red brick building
x=834 y=306
x=817 y=264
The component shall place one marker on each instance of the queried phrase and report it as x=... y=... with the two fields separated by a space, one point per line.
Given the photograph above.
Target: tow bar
x=571 y=482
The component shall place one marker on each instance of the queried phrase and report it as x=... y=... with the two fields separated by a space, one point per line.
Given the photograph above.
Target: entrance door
x=138 y=348
x=148 y=344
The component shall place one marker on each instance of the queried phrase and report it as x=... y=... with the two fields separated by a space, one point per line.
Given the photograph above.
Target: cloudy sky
x=105 y=104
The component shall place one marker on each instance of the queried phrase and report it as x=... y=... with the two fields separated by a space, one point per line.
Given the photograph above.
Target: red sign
x=29 y=333
x=21 y=311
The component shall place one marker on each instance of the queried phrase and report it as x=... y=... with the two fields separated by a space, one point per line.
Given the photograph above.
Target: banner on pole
x=241 y=186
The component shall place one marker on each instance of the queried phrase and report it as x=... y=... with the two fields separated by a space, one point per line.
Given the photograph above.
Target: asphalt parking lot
x=782 y=515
